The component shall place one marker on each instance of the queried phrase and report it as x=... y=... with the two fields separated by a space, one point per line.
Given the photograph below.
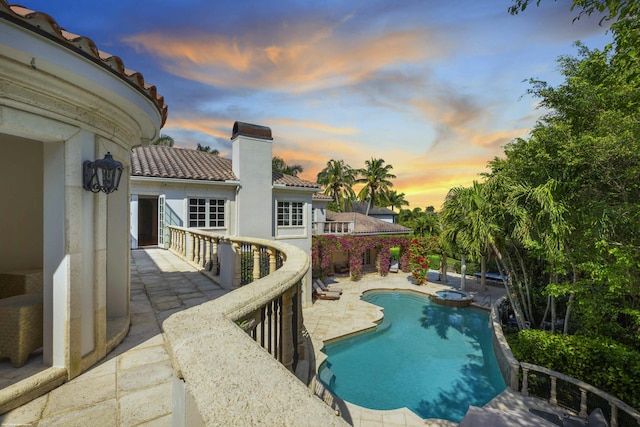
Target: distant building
x=240 y=196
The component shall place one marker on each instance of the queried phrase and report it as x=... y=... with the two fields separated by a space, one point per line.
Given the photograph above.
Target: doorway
x=147 y=221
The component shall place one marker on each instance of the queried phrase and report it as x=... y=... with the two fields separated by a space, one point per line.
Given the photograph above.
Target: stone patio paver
x=133 y=385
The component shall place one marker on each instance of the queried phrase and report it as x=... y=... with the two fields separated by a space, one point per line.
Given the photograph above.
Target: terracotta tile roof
x=184 y=163
x=367 y=225
x=46 y=26
x=292 y=181
x=321 y=196
x=361 y=207
x=180 y=163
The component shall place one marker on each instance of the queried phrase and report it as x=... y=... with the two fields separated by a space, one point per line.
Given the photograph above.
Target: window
x=290 y=213
x=206 y=213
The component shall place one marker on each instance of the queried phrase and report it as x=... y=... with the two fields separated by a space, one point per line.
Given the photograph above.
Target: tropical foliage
x=560 y=211
x=376 y=179
x=163 y=141
x=338 y=179
x=207 y=149
x=278 y=165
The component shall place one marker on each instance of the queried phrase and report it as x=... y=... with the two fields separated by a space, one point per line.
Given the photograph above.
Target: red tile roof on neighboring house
x=367 y=225
x=45 y=25
x=322 y=196
x=185 y=163
x=293 y=181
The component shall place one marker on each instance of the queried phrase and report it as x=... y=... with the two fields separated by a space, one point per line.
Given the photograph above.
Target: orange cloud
x=293 y=60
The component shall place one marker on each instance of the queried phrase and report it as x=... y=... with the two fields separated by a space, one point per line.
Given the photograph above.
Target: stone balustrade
x=615 y=405
x=512 y=369
x=235 y=357
x=332 y=227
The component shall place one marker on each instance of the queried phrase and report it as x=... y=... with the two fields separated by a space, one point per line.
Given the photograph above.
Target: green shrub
x=603 y=363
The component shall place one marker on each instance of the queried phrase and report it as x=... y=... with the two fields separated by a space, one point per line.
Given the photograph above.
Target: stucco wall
x=21 y=233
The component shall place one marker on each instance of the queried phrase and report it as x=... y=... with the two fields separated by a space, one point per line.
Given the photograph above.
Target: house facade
x=240 y=196
x=64 y=253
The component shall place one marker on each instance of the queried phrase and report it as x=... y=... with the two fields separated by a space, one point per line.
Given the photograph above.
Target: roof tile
x=45 y=25
x=364 y=224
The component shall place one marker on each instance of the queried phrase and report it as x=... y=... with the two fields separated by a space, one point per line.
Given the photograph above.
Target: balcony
x=337 y=228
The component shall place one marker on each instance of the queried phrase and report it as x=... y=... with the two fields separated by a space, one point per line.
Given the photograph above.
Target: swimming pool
x=434 y=360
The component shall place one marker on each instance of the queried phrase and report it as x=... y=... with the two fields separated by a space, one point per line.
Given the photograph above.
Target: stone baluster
x=206 y=262
x=198 y=249
x=554 y=394
x=256 y=262
x=286 y=339
x=214 y=256
x=614 y=415
x=272 y=259
x=237 y=264
x=525 y=381
x=299 y=325
x=583 y=403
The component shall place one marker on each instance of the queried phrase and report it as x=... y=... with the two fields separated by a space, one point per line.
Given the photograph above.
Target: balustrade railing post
x=525 y=381
x=554 y=395
x=272 y=259
x=299 y=319
x=214 y=256
x=256 y=262
x=237 y=264
x=207 y=253
x=286 y=340
x=614 y=415
x=198 y=249
x=583 y=403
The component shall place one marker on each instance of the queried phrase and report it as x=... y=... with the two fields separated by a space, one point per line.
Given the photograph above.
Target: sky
x=435 y=88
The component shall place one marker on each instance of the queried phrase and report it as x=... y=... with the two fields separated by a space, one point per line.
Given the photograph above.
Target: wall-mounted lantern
x=102 y=175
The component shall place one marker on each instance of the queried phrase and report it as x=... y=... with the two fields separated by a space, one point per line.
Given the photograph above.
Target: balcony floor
x=132 y=385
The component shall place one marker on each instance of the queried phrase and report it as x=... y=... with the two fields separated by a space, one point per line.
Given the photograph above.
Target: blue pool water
x=432 y=359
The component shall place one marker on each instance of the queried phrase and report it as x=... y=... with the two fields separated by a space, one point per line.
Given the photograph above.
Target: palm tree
x=164 y=141
x=395 y=199
x=207 y=149
x=375 y=178
x=278 y=165
x=469 y=222
x=338 y=179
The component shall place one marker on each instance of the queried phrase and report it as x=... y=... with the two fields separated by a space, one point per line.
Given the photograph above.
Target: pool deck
x=132 y=385
x=327 y=320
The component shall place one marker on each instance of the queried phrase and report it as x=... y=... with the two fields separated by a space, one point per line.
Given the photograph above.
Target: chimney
x=251 y=163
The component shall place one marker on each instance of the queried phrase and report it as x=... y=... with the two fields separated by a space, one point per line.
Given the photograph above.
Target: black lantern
x=102 y=175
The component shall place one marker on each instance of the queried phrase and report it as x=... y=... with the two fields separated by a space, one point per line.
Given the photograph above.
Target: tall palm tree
x=469 y=222
x=376 y=179
x=338 y=179
x=164 y=141
x=395 y=199
x=280 y=166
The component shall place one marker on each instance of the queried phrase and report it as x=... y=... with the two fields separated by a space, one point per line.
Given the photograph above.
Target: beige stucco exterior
x=58 y=109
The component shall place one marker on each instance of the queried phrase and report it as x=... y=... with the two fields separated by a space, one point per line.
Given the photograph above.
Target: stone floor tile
x=27 y=414
x=142 y=356
x=80 y=393
x=144 y=376
x=158 y=422
x=101 y=414
x=146 y=405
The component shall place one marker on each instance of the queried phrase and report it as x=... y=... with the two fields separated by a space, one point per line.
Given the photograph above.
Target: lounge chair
x=320 y=294
x=394 y=267
x=327 y=288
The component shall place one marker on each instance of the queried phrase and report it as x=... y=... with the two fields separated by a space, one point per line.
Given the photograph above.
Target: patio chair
x=394 y=267
x=327 y=288
x=320 y=294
